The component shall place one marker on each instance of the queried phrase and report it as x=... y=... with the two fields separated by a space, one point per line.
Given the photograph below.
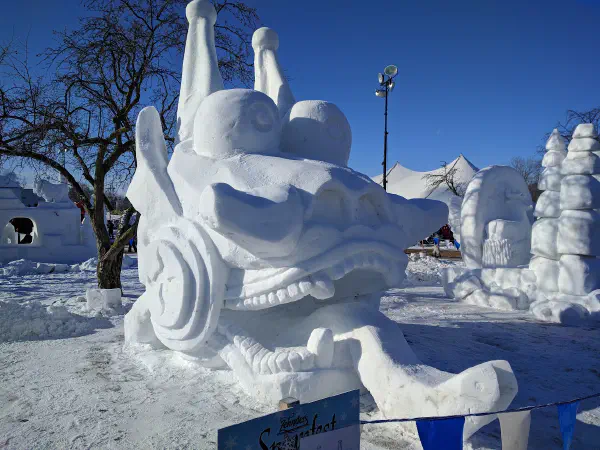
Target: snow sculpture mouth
x=258 y=245
x=293 y=284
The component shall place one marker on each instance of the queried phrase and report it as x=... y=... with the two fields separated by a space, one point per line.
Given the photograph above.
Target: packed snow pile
x=33 y=320
x=426 y=270
x=87 y=266
x=91 y=264
x=22 y=267
x=9 y=180
x=107 y=301
x=25 y=267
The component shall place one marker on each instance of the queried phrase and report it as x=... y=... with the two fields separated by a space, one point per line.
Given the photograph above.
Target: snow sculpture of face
x=257 y=243
x=496 y=218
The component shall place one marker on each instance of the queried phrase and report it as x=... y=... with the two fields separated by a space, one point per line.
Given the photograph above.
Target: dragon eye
x=317 y=130
x=236 y=121
x=261 y=117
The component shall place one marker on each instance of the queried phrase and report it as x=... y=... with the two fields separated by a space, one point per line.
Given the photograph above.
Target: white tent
x=412 y=184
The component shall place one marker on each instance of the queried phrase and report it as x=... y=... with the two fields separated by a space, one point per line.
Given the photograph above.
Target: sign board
x=288 y=429
x=347 y=438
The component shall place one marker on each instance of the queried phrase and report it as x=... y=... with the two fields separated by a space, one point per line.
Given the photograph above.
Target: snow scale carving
x=258 y=246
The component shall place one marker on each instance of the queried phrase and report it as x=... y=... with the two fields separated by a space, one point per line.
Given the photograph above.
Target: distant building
x=42 y=226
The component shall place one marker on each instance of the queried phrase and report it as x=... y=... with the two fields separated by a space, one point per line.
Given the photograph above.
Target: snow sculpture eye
x=317 y=130
x=236 y=121
x=261 y=117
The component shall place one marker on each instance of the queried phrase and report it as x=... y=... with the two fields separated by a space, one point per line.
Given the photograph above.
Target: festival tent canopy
x=413 y=184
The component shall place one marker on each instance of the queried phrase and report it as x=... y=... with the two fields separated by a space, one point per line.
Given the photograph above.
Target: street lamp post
x=386 y=83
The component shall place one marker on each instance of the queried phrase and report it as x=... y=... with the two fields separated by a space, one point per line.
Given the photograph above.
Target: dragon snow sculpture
x=258 y=246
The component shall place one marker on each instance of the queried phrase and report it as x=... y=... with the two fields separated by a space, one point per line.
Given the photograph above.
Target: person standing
x=111 y=229
x=133 y=244
x=436 y=247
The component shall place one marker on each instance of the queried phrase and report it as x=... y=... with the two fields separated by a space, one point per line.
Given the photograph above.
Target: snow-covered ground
x=67 y=382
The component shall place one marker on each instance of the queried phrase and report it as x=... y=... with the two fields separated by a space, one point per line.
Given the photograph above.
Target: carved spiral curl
x=185 y=282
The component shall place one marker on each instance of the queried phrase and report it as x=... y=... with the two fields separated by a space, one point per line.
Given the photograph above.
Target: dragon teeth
x=336 y=272
x=282 y=295
x=293 y=290
x=273 y=300
x=320 y=285
x=305 y=287
x=322 y=288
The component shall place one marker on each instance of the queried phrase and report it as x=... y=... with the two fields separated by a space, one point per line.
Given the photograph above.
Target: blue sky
x=484 y=78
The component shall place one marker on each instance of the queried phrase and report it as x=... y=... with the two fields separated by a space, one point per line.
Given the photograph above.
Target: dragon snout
x=269 y=221
x=344 y=207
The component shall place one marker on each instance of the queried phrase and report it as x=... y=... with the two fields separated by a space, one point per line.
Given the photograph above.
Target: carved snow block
x=579 y=233
x=459 y=283
x=98 y=299
x=550 y=179
x=581 y=164
x=543 y=238
x=505 y=245
x=507 y=277
x=44 y=268
x=546 y=272
x=578 y=275
x=548 y=205
x=449 y=275
x=553 y=158
x=580 y=192
x=584 y=144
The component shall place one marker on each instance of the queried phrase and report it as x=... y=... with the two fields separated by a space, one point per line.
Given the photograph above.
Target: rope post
x=287 y=403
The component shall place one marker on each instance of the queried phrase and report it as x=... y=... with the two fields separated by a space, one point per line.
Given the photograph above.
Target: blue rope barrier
x=525 y=408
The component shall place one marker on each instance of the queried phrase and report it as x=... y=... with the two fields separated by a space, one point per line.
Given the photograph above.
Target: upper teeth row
x=319 y=285
x=370 y=260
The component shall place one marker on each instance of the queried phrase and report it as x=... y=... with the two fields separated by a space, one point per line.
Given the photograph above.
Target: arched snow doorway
x=19 y=231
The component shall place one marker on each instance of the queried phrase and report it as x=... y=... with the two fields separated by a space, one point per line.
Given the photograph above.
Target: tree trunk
x=109 y=270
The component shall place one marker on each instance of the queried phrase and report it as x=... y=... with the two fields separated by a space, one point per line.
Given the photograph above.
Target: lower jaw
x=275 y=327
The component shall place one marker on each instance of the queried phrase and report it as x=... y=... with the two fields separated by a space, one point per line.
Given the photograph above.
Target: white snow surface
x=88 y=391
x=27 y=267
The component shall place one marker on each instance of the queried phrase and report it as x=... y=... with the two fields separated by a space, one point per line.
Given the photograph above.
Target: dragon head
x=257 y=207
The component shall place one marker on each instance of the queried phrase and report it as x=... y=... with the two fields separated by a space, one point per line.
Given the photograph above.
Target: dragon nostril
x=369 y=211
x=332 y=207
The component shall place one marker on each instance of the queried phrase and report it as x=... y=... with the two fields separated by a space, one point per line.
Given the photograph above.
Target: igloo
x=42 y=225
x=263 y=253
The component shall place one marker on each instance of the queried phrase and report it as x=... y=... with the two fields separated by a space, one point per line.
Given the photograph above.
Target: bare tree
x=566 y=129
x=76 y=115
x=575 y=118
x=447 y=179
x=530 y=169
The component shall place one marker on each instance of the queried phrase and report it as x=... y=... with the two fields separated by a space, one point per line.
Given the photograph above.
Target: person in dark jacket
x=111 y=229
